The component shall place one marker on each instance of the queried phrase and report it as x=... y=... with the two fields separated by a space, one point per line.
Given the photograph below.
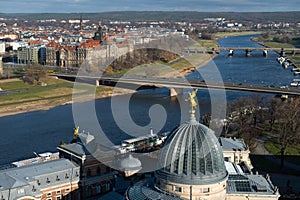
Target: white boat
x=286 y=64
x=295 y=83
x=295 y=69
x=296 y=73
x=147 y=142
x=281 y=60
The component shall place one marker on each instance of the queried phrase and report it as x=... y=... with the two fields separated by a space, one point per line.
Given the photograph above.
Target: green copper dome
x=192 y=155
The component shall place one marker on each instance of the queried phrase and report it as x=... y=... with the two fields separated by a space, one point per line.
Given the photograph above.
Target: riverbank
x=26 y=98
x=23 y=98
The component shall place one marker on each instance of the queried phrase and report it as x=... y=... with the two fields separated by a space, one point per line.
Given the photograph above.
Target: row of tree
x=249 y=117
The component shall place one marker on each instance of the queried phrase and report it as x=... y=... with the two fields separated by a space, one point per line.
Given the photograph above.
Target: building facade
x=31 y=55
x=96 y=178
x=236 y=151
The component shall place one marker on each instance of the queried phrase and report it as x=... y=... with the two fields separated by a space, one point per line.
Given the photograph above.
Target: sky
x=87 y=6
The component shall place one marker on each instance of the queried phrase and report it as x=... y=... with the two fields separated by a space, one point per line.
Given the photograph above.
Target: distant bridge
x=178 y=83
x=247 y=50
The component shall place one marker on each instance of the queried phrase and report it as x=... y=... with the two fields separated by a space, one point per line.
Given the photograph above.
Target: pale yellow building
x=236 y=151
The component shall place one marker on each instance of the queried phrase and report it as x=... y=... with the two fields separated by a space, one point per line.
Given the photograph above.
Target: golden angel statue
x=192 y=99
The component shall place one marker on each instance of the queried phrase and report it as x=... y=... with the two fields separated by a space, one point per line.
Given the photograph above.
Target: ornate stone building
x=95 y=177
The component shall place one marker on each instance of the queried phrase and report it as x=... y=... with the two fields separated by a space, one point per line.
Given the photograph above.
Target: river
x=42 y=131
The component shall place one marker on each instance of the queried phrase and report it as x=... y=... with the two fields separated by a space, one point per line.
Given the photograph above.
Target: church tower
x=100 y=33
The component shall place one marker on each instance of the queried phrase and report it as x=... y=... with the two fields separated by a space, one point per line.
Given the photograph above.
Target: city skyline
x=88 y=6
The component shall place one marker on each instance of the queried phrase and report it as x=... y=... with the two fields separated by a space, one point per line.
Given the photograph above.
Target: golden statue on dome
x=192 y=100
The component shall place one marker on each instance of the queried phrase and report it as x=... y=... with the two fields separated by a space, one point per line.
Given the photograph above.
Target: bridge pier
x=97 y=83
x=175 y=91
x=248 y=53
x=1 y=65
x=265 y=53
x=230 y=52
x=282 y=53
x=213 y=51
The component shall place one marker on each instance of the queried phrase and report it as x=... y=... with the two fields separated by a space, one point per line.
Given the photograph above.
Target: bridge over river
x=247 y=50
x=179 y=83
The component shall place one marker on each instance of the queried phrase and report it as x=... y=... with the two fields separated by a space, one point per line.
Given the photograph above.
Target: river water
x=42 y=131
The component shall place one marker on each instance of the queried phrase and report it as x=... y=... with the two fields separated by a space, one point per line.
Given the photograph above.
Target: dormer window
x=57 y=178
x=38 y=182
x=47 y=181
x=67 y=176
x=33 y=189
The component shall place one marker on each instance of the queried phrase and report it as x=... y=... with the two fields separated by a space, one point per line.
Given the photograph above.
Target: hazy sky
x=34 y=6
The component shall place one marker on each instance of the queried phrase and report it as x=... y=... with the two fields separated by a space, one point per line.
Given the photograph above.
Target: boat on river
x=281 y=60
x=142 y=144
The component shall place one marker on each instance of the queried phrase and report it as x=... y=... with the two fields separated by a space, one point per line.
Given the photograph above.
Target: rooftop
x=22 y=176
x=230 y=144
x=192 y=155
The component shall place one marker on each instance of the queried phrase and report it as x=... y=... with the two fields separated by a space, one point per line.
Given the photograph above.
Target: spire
x=193 y=104
x=80 y=24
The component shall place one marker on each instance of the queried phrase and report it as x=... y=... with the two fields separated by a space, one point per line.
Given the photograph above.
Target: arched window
x=89 y=191
x=89 y=173
x=98 y=170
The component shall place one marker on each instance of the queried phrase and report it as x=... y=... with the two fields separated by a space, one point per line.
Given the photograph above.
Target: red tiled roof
x=52 y=44
x=35 y=42
x=90 y=43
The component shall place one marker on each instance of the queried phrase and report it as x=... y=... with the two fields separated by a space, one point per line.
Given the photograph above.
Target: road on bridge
x=182 y=83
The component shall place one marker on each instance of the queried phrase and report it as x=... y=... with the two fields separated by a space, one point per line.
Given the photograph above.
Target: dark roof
x=192 y=155
x=249 y=184
x=230 y=144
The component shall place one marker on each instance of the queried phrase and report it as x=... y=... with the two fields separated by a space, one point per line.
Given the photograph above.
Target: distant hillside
x=166 y=16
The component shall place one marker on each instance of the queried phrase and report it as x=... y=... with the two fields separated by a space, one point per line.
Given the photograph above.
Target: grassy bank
x=22 y=97
x=229 y=34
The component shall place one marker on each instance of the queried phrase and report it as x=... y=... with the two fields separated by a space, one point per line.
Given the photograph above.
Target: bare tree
x=273 y=114
x=288 y=125
x=33 y=73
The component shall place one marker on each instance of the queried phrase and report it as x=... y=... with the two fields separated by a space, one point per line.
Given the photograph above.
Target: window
x=177 y=189
x=98 y=170
x=21 y=191
x=49 y=194
x=48 y=181
x=107 y=186
x=33 y=189
x=57 y=178
x=58 y=192
x=58 y=197
x=98 y=189
x=205 y=190
x=89 y=173
x=67 y=176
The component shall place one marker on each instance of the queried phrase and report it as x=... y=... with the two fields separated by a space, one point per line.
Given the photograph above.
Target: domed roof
x=192 y=155
x=130 y=163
